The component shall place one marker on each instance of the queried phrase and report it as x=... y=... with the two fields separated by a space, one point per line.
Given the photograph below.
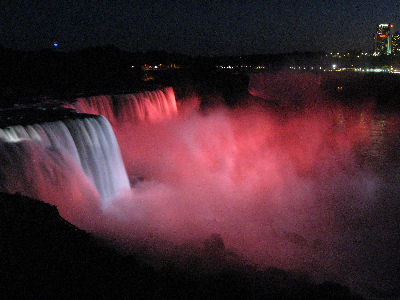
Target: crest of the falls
x=89 y=143
x=150 y=106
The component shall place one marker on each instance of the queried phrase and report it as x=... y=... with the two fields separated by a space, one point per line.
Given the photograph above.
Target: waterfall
x=89 y=143
x=150 y=106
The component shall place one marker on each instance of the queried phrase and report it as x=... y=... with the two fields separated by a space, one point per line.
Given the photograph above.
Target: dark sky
x=202 y=27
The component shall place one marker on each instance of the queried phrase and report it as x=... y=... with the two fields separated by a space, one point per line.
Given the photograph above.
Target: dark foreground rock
x=42 y=256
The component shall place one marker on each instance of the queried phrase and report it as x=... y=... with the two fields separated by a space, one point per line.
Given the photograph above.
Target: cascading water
x=150 y=106
x=124 y=112
x=88 y=142
x=292 y=191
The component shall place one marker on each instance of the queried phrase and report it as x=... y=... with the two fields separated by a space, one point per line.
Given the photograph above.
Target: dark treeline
x=28 y=75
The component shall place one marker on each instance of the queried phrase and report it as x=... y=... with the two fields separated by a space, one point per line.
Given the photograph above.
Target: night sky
x=196 y=27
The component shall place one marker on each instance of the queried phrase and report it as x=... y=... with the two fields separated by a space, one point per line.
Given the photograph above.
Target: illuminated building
x=383 y=39
x=396 y=43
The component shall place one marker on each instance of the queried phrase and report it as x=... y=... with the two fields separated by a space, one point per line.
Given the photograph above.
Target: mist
x=313 y=191
x=300 y=191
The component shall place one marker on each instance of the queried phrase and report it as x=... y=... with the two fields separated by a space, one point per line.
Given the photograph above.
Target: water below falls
x=314 y=191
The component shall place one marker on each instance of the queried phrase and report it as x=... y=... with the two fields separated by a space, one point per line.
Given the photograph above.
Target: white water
x=90 y=143
x=292 y=192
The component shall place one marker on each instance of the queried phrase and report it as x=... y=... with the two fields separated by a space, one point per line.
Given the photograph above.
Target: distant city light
x=55 y=44
x=333 y=66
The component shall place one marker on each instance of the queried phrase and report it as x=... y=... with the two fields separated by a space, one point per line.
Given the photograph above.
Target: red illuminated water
x=146 y=106
x=313 y=190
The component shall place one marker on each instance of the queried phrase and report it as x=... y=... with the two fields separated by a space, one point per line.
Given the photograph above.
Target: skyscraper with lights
x=383 y=39
x=396 y=43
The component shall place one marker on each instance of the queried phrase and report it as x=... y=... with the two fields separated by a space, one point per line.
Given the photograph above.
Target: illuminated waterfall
x=88 y=143
x=150 y=105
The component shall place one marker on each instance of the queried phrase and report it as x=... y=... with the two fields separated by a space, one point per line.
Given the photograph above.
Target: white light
x=334 y=66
